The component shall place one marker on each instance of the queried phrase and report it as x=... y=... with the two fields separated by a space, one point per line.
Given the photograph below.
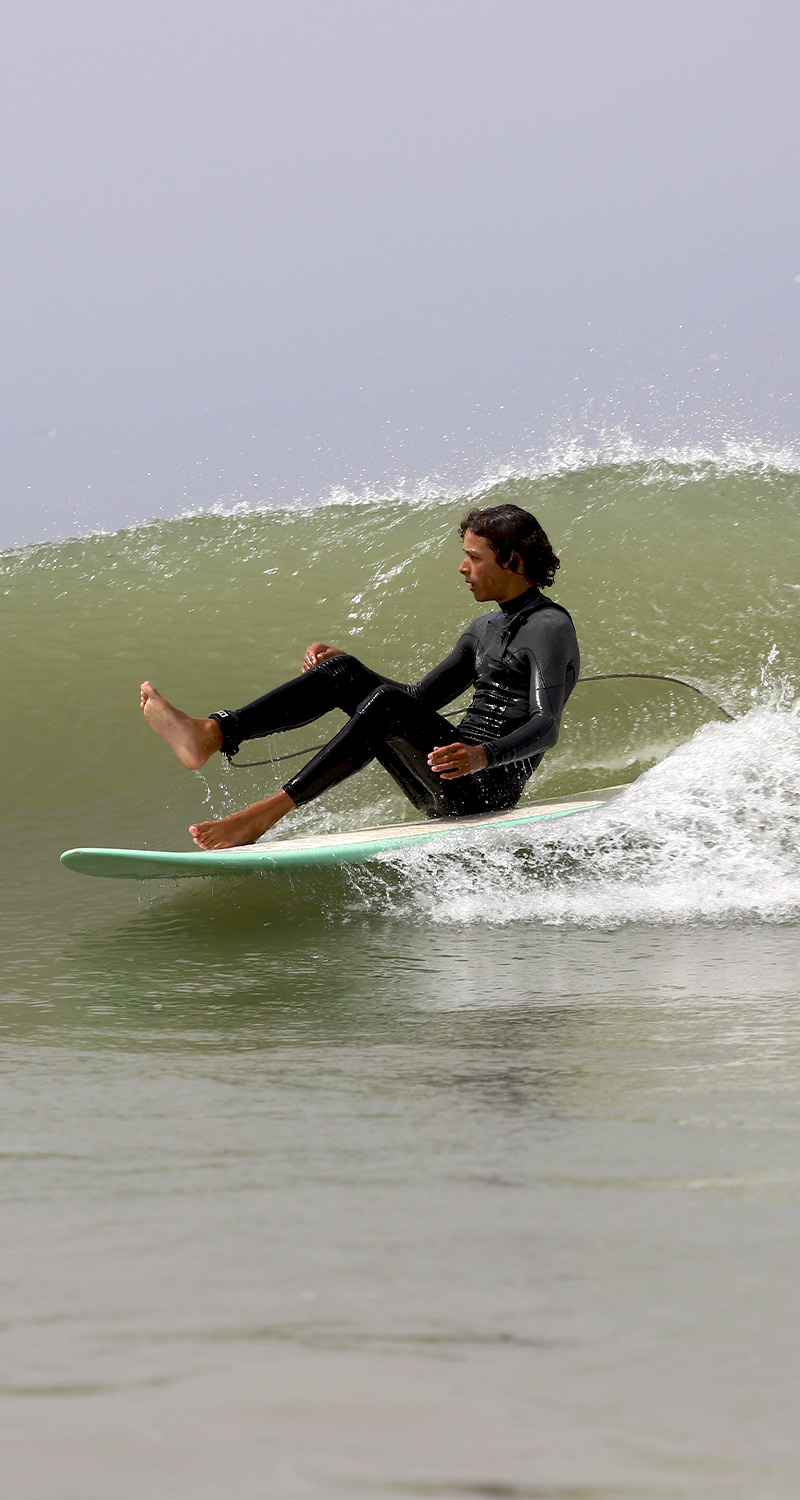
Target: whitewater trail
x=710 y=834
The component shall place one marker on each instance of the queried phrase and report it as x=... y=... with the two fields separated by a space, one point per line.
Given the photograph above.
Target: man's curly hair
x=516 y=539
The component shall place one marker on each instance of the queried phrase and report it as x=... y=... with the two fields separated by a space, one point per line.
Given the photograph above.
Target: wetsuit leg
x=343 y=682
x=392 y=726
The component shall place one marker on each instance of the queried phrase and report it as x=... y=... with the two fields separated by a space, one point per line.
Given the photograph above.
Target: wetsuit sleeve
x=444 y=682
x=555 y=662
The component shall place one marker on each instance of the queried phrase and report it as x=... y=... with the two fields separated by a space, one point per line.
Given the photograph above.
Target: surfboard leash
x=275 y=760
x=658 y=677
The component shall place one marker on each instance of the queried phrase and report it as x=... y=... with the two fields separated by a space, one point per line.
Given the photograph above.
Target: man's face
x=484 y=575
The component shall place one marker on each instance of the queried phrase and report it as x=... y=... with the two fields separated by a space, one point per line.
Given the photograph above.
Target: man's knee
x=349 y=681
x=343 y=665
x=385 y=704
x=347 y=673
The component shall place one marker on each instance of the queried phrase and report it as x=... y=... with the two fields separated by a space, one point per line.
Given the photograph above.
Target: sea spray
x=710 y=834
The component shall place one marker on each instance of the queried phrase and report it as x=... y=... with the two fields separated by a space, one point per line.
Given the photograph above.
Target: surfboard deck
x=314 y=850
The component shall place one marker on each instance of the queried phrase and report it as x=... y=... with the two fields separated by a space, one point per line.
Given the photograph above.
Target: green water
x=469 y=1173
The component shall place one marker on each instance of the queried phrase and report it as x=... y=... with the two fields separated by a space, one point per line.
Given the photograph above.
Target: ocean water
x=472 y=1172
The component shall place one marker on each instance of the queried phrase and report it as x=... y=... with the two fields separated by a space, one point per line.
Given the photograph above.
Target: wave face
x=675 y=563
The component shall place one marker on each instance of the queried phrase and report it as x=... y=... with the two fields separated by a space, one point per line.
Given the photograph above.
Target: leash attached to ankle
x=228 y=724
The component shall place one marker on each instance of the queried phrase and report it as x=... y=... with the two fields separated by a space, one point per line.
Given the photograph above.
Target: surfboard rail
x=316 y=850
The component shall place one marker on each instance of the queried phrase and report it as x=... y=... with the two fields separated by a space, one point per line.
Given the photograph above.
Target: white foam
x=651 y=460
x=712 y=834
x=668 y=461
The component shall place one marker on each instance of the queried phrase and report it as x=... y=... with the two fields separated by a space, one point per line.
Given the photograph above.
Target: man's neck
x=523 y=595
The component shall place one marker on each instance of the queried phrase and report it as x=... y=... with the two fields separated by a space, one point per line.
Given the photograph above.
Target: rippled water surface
x=473 y=1172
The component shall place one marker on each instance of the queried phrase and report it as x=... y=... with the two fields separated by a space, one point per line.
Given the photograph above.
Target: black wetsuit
x=523 y=659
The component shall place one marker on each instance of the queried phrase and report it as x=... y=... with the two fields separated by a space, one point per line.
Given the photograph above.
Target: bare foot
x=243 y=827
x=193 y=740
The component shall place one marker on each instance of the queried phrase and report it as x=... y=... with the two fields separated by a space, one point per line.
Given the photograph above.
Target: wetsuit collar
x=513 y=606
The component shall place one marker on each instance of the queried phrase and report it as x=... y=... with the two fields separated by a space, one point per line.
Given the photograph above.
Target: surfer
x=522 y=660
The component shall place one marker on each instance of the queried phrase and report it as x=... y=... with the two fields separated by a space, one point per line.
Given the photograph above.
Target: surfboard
x=314 y=850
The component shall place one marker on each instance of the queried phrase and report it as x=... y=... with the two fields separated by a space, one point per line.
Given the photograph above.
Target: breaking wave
x=710 y=834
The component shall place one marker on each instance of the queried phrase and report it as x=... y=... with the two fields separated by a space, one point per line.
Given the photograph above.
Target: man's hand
x=450 y=761
x=318 y=652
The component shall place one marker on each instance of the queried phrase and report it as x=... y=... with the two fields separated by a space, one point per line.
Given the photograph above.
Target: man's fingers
x=449 y=760
x=442 y=755
x=319 y=652
x=316 y=653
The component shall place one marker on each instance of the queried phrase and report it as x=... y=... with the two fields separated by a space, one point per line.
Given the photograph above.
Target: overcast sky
x=263 y=249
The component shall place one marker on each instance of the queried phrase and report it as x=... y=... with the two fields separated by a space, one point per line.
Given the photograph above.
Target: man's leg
x=392 y=726
x=341 y=682
x=194 y=741
x=350 y=750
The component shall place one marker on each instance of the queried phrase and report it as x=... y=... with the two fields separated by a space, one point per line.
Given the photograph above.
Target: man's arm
x=444 y=682
x=439 y=686
x=555 y=662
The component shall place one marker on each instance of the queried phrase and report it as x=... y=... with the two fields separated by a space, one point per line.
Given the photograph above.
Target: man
x=523 y=660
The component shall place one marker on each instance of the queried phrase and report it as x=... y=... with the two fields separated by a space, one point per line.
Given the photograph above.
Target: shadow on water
x=226 y=953
x=507 y=1022
x=248 y=966
x=206 y=948
x=491 y=1490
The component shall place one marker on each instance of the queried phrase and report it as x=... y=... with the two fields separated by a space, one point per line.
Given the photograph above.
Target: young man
x=523 y=660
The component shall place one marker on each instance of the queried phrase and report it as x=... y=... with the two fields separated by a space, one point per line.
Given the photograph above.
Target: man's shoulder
x=548 y=611
x=552 y=604
x=548 y=628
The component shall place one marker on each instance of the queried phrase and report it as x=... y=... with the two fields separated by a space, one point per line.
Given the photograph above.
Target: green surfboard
x=314 y=850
